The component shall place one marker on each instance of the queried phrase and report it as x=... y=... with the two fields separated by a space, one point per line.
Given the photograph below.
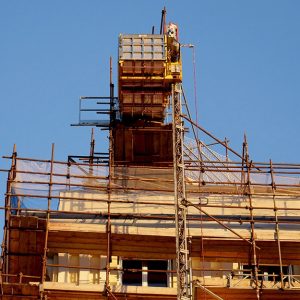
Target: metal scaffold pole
x=184 y=290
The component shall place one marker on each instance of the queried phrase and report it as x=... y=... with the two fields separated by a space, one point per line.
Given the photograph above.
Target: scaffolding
x=168 y=212
x=245 y=205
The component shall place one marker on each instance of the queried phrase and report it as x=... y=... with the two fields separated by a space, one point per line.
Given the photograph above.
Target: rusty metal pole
x=5 y=245
x=277 y=237
x=226 y=149
x=110 y=176
x=44 y=262
x=108 y=249
x=92 y=148
x=248 y=192
x=163 y=21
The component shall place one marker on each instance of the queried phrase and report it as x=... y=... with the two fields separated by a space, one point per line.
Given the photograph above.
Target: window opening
x=138 y=273
x=158 y=278
x=129 y=277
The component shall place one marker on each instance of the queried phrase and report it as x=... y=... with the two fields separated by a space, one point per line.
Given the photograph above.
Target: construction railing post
x=110 y=176
x=182 y=253
x=44 y=262
x=276 y=223
x=248 y=192
x=5 y=244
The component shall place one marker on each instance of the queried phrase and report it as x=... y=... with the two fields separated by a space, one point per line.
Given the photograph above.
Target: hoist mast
x=184 y=290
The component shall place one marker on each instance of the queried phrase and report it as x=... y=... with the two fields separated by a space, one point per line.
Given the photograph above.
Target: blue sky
x=247 y=57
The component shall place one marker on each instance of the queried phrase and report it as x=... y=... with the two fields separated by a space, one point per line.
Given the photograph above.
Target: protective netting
x=34 y=182
x=206 y=158
x=32 y=187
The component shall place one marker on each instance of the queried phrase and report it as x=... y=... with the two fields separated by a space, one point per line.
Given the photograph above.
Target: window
x=74 y=272
x=157 y=278
x=138 y=273
x=95 y=274
x=129 y=276
x=270 y=272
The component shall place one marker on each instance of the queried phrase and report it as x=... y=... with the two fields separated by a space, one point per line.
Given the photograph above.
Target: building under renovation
x=169 y=211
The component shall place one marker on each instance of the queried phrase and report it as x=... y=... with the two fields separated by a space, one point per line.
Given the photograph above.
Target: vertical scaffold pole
x=248 y=192
x=110 y=174
x=182 y=253
x=5 y=244
x=44 y=258
x=277 y=235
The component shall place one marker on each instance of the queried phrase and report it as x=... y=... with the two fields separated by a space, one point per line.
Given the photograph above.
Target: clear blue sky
x=248 y=69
